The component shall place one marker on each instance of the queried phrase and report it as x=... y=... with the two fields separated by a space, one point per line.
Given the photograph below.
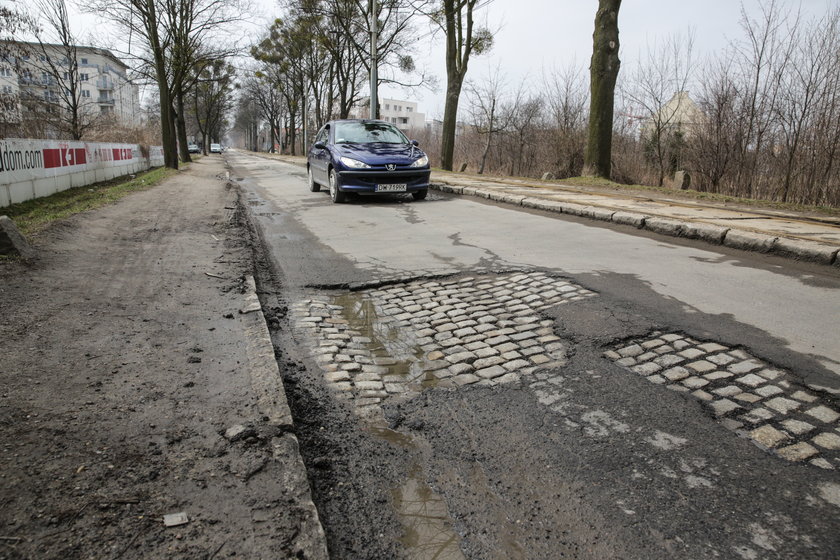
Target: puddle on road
x=428 y=528
x=390 y=345
x=428 y=533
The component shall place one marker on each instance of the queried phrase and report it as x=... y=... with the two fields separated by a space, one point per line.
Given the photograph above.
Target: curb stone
x=797 y=249
x=12 y=241
x=271 y=401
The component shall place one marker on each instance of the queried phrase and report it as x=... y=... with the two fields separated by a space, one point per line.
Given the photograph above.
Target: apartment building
x=35 y=77
x=404 y=114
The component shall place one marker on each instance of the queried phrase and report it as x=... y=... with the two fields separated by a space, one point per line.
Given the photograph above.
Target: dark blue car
x=366 y=157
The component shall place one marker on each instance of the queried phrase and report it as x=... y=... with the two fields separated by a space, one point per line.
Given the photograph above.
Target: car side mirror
x=415 y=143
x=320 y=145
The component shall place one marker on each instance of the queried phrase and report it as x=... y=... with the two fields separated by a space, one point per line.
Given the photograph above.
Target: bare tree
x=488 y=114
x=659 y=89
x=567 y=101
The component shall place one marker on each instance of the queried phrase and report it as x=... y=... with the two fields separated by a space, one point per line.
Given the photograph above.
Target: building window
x=7 y=89
x=5 y=72
x=85 y=93
x=84 y=61
x=83 y=77
x=387 y=107
x=409 y=109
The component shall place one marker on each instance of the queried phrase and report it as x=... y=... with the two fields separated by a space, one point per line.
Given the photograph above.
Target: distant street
x=544 y=387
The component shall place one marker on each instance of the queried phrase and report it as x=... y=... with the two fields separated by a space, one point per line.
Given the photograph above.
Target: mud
x=120 y=371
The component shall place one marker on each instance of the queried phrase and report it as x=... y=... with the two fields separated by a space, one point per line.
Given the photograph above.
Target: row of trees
x=176 y=46
x=761 y=119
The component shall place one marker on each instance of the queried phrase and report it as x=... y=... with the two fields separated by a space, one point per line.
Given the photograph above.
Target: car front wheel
x=420 y=195
x=313 y=186
x=336 y=195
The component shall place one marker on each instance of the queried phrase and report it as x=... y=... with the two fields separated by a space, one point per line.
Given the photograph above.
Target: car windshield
x=368 y=133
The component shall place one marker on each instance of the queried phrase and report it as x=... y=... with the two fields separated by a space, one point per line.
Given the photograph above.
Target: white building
x=103 y=79
x=404 y=114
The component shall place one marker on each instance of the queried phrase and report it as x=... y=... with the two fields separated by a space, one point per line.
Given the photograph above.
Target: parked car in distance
x=193 y=148
x=366 y=157
x=215 y=148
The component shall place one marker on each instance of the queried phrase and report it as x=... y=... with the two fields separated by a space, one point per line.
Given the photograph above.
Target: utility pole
x=374 y=78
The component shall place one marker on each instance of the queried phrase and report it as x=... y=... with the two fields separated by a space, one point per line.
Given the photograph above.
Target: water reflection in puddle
x=428 y=533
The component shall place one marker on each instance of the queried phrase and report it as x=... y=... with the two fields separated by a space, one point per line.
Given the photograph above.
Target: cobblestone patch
x=400 y=339
x=746 y=394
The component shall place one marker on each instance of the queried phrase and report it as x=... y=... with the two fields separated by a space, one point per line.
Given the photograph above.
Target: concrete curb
x=273 y=405
x=711 y=233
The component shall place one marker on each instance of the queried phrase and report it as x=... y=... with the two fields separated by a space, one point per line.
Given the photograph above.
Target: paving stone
x=458 y=369
x=667 y=349
x=731 y=424
x=511 y=355
x=487 y=362
x=782 y=404
x=712 y=347
x=768 y=391
x=804 y=396
x=678 y=388
x=508 y=378
x=380 y=394
x=486 y=352
x=691 y=353
x=768 y=436
x=648 y=368
x=821 y=463
x=747 y=397
x=827 y=440
x=531 y=351
x=823 y=414
x=669 y=360
x=716 y=375
x=751 y=380
x=631 y=351
x=367 y=376
x=721 y=359
x=436 y=355
x=646 y=356
x=501 y=339
x=739 y=355
x=507 y=347
x=516 y=364
x=658 y=379
x=723 y=406
x=797 y=427
x=491 y=372
x=771 y=374
x=394 y=388
x=701 y=366
x=461 y=357
x=695 y=382
x=464 y=332
x=540 y=359
x=626 y=362
x=702 y=395
x=671 y=337
x=676 y=373
x=523 y=335
x=758 y=416
x=335 y=376
x=745 y=366
x=651 y=344
x=728 y=391
x=369 y=385
x=351 y=366
x=343 y=386
x=798 y=452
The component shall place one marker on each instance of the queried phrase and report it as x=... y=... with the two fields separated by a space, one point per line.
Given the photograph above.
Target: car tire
x=420 y=195
x=313 y=186
x=335 y=194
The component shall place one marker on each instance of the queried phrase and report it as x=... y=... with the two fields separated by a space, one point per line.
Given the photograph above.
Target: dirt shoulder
x=124 y=362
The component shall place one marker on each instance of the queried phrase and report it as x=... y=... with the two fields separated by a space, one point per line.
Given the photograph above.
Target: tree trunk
x=181 y=125
x=603 y=72
x=450 y=122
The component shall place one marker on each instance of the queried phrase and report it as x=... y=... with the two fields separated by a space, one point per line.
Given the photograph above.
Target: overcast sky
x=533 y=35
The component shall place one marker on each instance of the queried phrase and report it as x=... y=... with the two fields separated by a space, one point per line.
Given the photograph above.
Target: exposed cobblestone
x=743 y=392
x=400 y=339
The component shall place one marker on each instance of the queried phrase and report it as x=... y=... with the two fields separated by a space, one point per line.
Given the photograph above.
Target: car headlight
x=354 y=163
x=422 y=162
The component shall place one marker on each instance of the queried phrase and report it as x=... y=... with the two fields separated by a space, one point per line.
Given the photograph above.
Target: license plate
x=391 y=188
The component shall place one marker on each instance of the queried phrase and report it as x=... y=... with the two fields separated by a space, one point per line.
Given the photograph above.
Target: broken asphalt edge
x=273 y=405
x=719 y=235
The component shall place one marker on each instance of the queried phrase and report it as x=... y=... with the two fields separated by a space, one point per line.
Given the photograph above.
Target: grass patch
x=35 y=215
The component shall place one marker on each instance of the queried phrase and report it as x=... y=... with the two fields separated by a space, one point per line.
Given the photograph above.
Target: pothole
x=748 y=395
x=399 y=340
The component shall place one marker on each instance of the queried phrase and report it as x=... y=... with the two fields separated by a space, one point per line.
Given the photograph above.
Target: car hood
x=380 y=154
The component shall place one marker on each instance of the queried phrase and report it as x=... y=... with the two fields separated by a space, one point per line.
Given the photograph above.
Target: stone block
x=805 y=250
x=823 y=414
x=768 y=436
x=798 y=452
x=12 y=242
x=748 y=241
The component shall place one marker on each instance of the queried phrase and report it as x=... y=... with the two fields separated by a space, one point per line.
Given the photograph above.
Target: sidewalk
x=138 y=381
x=798 y=235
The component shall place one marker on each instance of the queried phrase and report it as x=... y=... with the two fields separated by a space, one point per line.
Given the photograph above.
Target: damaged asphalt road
x=474 y=381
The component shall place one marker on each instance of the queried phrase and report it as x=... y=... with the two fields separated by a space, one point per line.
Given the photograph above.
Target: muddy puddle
x=428 y=533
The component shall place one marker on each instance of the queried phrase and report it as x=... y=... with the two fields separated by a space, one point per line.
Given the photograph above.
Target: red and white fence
x=35 y=168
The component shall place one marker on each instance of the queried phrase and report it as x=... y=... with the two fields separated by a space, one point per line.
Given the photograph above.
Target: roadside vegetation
x=33 y=216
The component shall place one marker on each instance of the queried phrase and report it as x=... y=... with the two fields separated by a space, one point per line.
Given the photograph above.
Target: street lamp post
x=374 y=78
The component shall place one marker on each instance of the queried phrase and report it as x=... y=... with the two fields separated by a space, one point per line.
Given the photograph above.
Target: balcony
x=105 y=84
x=105 y=100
